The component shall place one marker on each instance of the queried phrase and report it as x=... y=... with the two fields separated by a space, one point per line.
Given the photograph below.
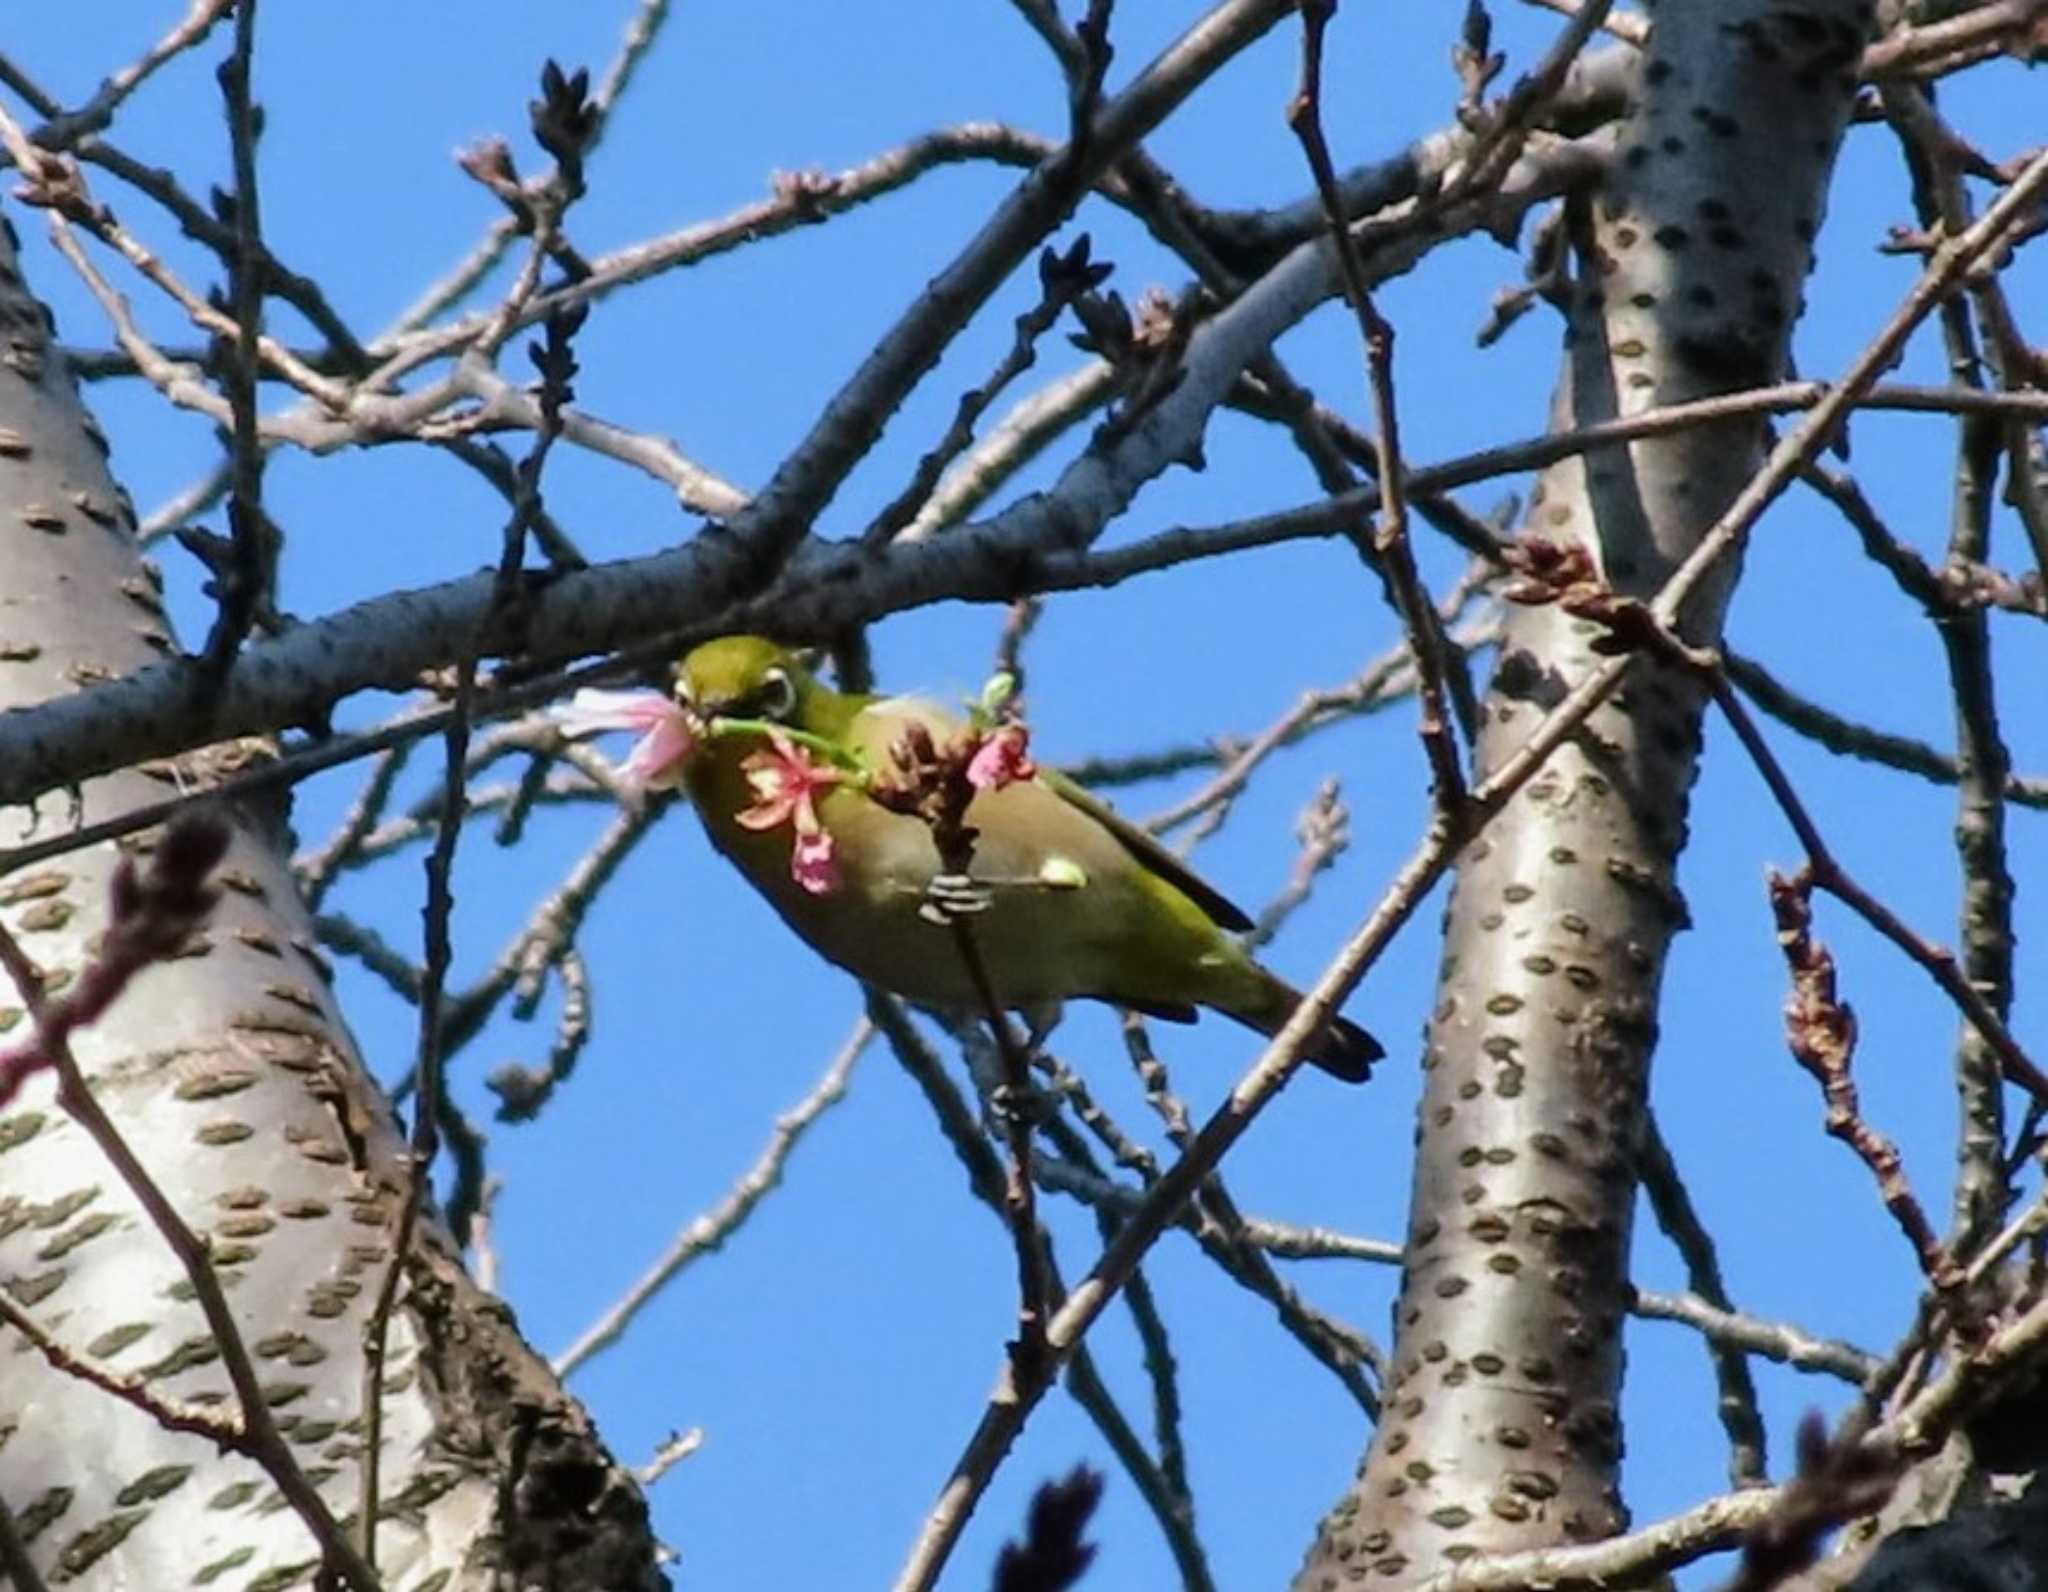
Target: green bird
x=1071 y=900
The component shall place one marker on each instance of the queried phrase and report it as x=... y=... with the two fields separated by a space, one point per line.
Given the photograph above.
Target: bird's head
x=745 y=677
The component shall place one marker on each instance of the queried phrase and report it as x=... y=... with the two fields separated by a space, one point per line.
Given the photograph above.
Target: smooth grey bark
x=232 y=1075
x=1502 y=1428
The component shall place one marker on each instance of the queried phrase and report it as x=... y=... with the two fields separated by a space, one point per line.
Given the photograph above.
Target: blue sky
x=837 y=1352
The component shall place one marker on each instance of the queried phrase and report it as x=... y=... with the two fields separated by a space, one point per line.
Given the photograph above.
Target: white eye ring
x=778 y=695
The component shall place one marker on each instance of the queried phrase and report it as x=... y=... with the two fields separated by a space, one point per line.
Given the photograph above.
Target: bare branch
x=1737 y=1405
x=703 y=1234
x=62 y=131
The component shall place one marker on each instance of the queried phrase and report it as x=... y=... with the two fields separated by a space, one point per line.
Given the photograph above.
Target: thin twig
x=676 y=1448
x=1232 y=1243
x=1386 y=679
x=1781 y=1342
x=63 y=130
x=522 y=1091
x=1020 y=1201
x=434 y=1108
x=1217 y=1226
x=1172 y=1508
x=55 y=183
x=1390 y=542
x=1748 y=1459
x=244 y=572
x=1983 y=762
x=1778 y=1341
x=1031 y=425
x=131 y=1388
x=985 y=1178
x=704 y=1234
x=639 y=38
x=1062 y=278
x=200 y=224
x=547 y=936
x=426 y=1121
x=1910 y=50
x=1829 y=875
x=1322 y=831
x=1852 y=739
x=316 y=870
x=1821 y=1032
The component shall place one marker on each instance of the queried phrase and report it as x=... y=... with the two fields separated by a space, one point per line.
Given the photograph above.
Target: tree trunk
x=1502 y=1429
x=232 y=1076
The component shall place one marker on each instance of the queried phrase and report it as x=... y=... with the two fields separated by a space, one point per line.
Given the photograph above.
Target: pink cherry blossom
x=812 y=863
x=786 y=787
x=1001 y=759
x=666 y=737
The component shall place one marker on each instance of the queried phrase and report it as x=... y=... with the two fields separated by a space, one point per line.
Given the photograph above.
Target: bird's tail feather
x=1341 y=1048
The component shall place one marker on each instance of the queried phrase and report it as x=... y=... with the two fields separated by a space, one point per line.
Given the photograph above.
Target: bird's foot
x=953 y=895
x=1009 y=1103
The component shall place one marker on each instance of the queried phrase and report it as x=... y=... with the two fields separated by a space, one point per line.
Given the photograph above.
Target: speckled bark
x=232 y=1075
x=1501 y=1428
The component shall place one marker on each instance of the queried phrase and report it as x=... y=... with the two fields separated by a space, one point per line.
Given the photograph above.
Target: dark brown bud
x=194 y=843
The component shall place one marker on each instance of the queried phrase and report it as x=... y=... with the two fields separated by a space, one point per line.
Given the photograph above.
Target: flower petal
x=657 y=759
x=1001 y=759
x=591 y=712
x=666 y=739
x=812 y=863
x=771 y=812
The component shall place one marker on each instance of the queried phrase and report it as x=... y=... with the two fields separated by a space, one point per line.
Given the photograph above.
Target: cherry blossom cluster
x=794 y=771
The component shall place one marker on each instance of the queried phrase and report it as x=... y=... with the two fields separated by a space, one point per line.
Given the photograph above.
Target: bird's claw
x=1034 y=1107
x=953 y=895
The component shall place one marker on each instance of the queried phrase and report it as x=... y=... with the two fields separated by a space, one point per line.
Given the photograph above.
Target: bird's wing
x=1150 y=853
x=883 y=719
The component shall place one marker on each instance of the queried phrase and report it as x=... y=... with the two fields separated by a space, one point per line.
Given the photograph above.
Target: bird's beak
x=695 y=719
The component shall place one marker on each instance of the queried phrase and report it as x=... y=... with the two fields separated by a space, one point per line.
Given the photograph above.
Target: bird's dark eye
x=777 y=696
